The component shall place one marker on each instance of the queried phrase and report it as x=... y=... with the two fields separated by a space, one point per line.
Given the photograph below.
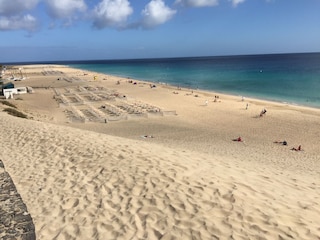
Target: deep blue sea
x=291 y=78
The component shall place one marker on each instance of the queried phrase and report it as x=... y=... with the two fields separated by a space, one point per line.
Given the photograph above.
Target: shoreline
x=248 y=95
x=210 y=92
x=173 y=86
x=160 y=176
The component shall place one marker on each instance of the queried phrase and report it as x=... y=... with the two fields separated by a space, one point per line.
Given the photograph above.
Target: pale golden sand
x=99 y=180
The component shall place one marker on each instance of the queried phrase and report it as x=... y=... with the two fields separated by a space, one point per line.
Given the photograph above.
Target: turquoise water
x=292 y=78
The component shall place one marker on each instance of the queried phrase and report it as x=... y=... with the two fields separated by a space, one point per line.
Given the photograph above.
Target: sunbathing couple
x=285 y=143
x=239 y=139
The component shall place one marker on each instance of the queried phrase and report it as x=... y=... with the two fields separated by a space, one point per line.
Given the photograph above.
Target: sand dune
x=84 y=185
x=190 y=181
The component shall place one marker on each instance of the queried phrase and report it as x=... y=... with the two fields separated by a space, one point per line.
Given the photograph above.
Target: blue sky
x=54 y=30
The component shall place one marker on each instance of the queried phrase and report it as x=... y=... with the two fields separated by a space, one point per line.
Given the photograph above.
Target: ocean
x=288 y=78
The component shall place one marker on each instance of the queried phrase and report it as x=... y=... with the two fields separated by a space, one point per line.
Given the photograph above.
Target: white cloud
x=156 y=13
x=197 y=3
x=16 y=14
x=236 y=2
x=65 y=9
x=26 y=22
x=13 y=7
x=112 y=13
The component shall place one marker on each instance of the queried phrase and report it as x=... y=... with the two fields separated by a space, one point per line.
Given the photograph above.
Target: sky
x=63 y=30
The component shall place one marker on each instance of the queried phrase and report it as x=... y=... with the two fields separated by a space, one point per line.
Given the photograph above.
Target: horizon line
x=148 y=58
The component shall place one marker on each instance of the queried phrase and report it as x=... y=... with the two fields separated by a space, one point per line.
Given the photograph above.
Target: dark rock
x=15 y=221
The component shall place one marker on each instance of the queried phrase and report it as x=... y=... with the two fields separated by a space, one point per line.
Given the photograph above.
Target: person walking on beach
x=263 y=112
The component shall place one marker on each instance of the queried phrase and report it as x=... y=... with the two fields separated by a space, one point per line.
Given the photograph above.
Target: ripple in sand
x=70 y=203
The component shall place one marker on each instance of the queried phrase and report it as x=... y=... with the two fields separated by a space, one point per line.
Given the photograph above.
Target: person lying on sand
x=239 y=139
x=297 y=149
x=147 y=136
x=284 y=142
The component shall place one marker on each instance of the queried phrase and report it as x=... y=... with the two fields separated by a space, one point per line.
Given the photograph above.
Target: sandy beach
x=104 y=157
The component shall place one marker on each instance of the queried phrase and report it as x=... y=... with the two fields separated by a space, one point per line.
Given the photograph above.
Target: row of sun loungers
x=51 y=72
x=93 y=104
